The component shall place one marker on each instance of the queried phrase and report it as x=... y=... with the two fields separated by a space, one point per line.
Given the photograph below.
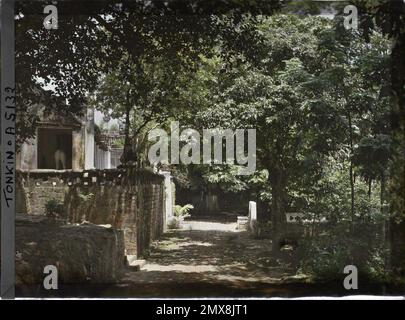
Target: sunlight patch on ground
x=196 y=243
x=212 y=226
x=179 y=268
x=254 y=279
x=176 y=245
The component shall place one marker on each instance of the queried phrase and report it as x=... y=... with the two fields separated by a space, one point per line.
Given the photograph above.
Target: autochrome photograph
x=218 y=149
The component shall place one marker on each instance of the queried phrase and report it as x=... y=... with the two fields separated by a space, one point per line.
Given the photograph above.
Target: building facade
x=60 y=143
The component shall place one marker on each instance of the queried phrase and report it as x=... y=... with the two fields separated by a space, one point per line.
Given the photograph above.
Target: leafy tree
x=90 y=42
x=139 y=94
x=310 y=96
x=269 y=90
x=389 y=17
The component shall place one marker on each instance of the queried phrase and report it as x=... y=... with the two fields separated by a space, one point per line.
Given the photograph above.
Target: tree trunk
x=386 y=223
x=128 y=154
x=278 y=181
x=351 y=176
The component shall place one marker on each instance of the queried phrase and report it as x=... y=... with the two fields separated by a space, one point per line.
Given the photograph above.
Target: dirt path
x=211 y=251
x=208 y=258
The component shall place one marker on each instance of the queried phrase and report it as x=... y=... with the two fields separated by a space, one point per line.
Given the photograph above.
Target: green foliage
x=325 y=256
x=98 y=138
x=182 y=211
x=88 y=46
x=318 y=95
x=372 y=156
x=86 y=197
x=54 y=208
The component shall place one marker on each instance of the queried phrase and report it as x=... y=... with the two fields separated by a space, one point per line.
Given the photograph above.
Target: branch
x=108 y=27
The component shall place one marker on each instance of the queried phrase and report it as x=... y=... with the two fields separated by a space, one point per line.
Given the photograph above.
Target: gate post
x=168 y=198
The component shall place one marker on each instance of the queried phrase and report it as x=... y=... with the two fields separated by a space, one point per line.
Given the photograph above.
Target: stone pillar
x=77 y=150
x=252 y=215
x=89 y=140
x=27 y=157
x=168 y=198
x=96 y=157
x=102 y=158
x=108 y=159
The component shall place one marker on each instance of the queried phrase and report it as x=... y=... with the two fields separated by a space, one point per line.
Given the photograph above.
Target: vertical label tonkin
x=8 y=120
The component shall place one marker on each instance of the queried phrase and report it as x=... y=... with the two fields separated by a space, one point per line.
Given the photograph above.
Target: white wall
x=102 y=158
x=89 y=149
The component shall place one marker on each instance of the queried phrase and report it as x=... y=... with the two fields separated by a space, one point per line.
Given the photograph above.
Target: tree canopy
x=327 y=103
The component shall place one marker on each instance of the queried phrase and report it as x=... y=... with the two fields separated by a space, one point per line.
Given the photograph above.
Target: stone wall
x=81 y=253
x=128 y=199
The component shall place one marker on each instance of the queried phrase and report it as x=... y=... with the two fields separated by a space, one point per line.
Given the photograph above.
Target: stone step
x=242 y=223
x=134 y=263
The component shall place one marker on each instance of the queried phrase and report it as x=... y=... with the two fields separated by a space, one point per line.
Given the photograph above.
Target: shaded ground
x=213 y=252
x=210 y=258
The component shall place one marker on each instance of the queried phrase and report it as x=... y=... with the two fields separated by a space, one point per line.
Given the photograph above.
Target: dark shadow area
x=211 y=263
x=202 y=289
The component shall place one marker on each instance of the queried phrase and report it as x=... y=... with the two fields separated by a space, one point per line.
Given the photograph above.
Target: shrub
x=325 y=256
x=183 y=211
x=180 y=213
x=54 y=208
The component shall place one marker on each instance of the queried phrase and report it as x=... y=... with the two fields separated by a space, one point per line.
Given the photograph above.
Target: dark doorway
x=54 y=144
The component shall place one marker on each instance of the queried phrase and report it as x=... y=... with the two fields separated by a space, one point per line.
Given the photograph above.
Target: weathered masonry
x=83 y=253
x=129 y=199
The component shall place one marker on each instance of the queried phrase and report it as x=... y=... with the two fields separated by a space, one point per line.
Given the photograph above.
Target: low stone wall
x=128 y=199
x=34 y=189
x=81 y=253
